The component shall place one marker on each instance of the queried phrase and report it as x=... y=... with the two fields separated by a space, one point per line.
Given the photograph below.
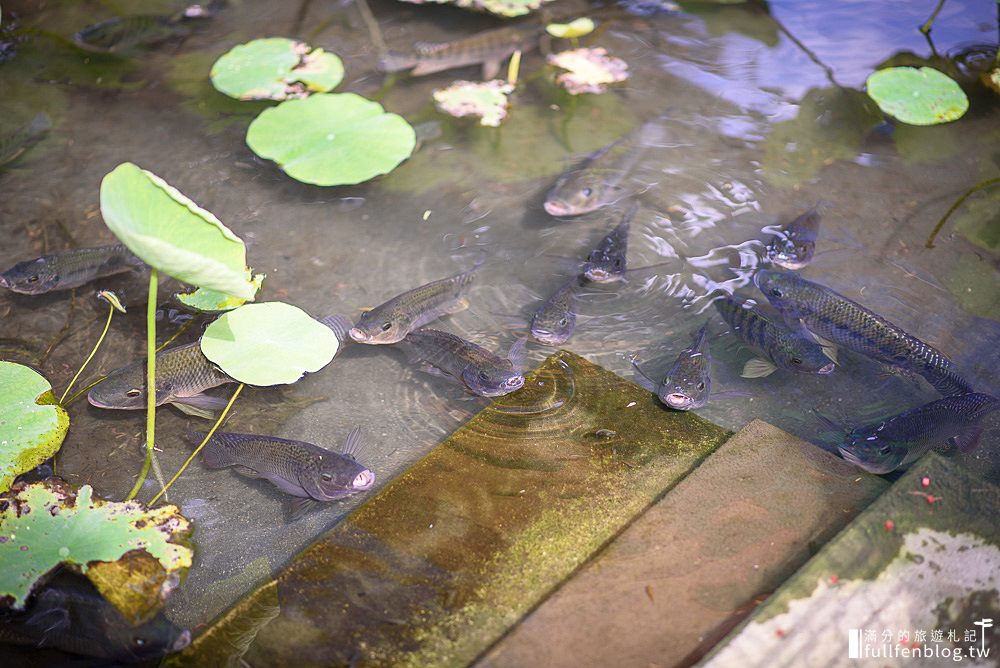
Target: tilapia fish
x=850 y=325
x=900 y=440
x=308 y=472
x=122 y=34
x=554 y=321
x=17 y=142
x=488 y=48
x=69 y=614
x=783 y=347
x=481 y=371
x=392 y=321
x=607 y=262
x=69 y=269
x=688 y=384
x=793 y=246
x=183 y=374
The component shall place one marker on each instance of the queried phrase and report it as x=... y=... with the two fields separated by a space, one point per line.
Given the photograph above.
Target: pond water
x=761 y=118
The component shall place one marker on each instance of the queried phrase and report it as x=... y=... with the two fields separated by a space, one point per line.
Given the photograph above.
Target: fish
x=554 y=321
x=488 y=48
x=783 y=348
x=69 y=614
x=392 y=321
x=688 y=383
x=898 y=441
x=183 y=373
x=123 y=34
x=311 y=474
x=482 y=372
x=605 y=177
x=850 y=325
x=20 y=140
x=606 y=263
x=794 y=244
x=69 y=269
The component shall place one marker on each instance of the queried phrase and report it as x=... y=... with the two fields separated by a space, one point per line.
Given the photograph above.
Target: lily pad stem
x=111 y=313
x=514 y=68
x=180 y=330
x=81 y=392
x=926 y=27
x=211 y=431
x=150 y=382
x=937 y=228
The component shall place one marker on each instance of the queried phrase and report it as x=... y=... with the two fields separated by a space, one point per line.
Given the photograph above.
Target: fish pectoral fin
x=299 y=506
x=517 y=354
x=194 y=411
x=456 y=306
x=758 y=368
x=643 y=380
x=428 y=368
x=246 y=471
x=433 y=314
x=967 y=440
x=490 y=69
x=199 y=405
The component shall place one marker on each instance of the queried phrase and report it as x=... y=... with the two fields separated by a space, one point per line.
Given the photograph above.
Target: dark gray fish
x=688 y=384
x=783 y=347
x=183 y=373
x=607 y=262
x=392 y=321
x=793 y=246
x=17 y=142
x=69 y=269
x=898 y=441
x=308 y=472
x=554 y=321
x=488 y=48
x=850 y=325
x=482 y=372
x=123 y=34
x=69 y=614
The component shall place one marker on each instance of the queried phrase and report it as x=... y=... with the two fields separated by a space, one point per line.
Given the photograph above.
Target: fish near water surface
x=488 y=48
x=554 y=321
x=183 y=373
x=607 y=262
x=848 y=324
x=20 y=140
x=308 y=472
x=794 y=245
x=688 y=384
x=69 y=269
x=122 y=34
x=482 y=372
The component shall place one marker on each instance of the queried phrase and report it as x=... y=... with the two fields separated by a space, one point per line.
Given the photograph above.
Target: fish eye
x=327 y=477
x=563 y=322
x=139 y=641
x=33 y=278
x=618 y=262
x=134 y=392
x=701 y=386
x=386 y=326
x=776 y=292
x=796 y=360
x=483 y=375
x=587 y=192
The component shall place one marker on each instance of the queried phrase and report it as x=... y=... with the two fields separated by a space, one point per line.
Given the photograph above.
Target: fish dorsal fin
x=643 y=380
x=758 y=368
x=352 y=443
x=516 y=354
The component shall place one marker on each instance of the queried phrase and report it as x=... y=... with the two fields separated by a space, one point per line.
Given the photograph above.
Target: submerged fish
x=392 y=321
x=794 y=245
x=121 y=34
x=17 y=142
x=554 y=321
x=606 y=263
x=69 y=614
x=900 y=440
x=183 y=374
x=69 y=269
x=488 y=48
x=784 y=348
x=482 y=372
x=688 y=384
x=852 y=326
x=308 y=472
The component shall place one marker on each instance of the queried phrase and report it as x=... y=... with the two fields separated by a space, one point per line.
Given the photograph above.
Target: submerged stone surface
x=438 y=565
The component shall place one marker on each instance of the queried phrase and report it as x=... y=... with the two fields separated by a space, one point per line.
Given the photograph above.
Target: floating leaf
x=488 y=100
x=268 y=344
x=275 y=68
x=590 y=70
x=213 y=301
x=331 y=140
x=172 y=233
x=508 y=8
x=32 y=424
x=991 y=79
x=571 y=30
x=49 y=523
x=921 y=96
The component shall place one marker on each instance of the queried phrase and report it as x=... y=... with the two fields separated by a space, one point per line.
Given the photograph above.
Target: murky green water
x=757 y=130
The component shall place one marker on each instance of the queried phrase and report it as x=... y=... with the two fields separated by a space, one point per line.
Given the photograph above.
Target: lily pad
x=330 y=140
x=172 y=233
x=487 y=100
x=49 y=523
x=921 y=96
x=276 y=68
x=213 y=301
x=573 y=29
x=590 y=70
x=508 y=8
x=268 y=344
x=32 y=424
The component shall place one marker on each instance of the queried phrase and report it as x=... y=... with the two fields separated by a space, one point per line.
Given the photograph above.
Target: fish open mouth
x=183 y=640
x=556 y=208
x=4 y=283
x=363 y=480
x=678 y=401
x=827 y=369
x=597 y=275
x=358 y=335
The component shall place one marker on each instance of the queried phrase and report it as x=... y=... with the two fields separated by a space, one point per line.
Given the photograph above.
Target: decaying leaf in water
x=487 y=100
x=589 y=70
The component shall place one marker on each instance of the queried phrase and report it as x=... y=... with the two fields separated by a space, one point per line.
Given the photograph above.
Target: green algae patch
x=32 y=424
x=445 y=559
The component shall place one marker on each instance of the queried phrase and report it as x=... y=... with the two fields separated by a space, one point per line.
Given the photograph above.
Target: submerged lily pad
x=32 y=424
x=921 y=96
x=590 y=70
x=275 y=68
x=331 y=140
x=577 y=28
x=213 y=301
x=268 y=344
x=49 y=523
x=508 y=8
x=172 y=233
x=487 y=100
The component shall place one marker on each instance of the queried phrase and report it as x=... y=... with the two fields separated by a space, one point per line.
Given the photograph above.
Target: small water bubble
x=64 y=552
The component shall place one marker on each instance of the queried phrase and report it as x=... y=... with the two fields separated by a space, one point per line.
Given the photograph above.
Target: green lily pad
x=589 y=70
x=32 y=424
x=508 y=8
x=487 y=100
x=921 y=96
x=577 y=28
x=172 y=233
x=213 y=301
x=268 y=344
x=49 y=523
x=331 y=140
x=275 y=68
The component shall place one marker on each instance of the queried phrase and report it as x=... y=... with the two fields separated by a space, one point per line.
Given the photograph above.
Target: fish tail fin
x=352 y=444
x=394 y=61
